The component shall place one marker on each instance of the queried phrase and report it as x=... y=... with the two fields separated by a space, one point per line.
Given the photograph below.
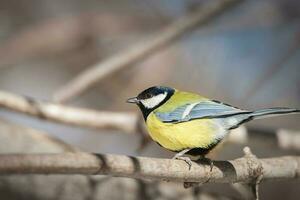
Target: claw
x=179 y=156
x=185 y=159
x=211 y=164
x=209 y=161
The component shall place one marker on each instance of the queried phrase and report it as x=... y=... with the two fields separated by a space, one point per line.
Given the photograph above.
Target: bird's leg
x=181 y=153
x=179 y=156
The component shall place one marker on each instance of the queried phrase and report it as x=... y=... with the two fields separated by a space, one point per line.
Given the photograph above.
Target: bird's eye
x=148 y=96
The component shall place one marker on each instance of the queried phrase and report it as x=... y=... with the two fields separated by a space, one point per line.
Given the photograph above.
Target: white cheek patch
x=154 y=101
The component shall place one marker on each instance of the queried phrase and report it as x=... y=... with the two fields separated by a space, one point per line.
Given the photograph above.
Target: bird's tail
x=236 y=120
x=271 y=112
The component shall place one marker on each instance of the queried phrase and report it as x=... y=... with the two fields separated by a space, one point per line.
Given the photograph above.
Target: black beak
x=132 y=100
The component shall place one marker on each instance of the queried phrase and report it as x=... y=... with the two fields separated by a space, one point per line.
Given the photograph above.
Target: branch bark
x=125 y=121
x=130 y=56
x=239 y=170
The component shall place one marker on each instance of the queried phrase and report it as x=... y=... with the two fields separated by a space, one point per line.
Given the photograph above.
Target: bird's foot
x=204 y=160
x=207 y=161
x=185 y=159
x=179 y=156
x=211 y=165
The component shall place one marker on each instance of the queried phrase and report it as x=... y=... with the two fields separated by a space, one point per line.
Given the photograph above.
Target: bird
x=189 y=124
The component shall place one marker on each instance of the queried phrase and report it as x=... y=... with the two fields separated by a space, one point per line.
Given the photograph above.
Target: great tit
x=188 y=123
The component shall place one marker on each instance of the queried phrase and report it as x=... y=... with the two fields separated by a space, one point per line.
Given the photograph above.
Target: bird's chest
x=178 y=136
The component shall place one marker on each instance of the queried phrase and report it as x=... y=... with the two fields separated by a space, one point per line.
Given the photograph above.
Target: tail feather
x=270 y=112
x=236 y=120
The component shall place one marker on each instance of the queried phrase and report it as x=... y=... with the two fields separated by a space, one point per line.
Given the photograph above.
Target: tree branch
x=130 y=56
x=239 y=170
x=125 y=121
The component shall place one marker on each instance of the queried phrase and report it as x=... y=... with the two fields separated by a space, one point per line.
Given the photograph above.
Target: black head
x=152 y=98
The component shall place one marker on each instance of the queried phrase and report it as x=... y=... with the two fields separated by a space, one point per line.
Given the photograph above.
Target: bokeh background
x=248 y=57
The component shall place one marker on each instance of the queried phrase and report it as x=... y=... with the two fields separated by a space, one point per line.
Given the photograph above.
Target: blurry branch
x=16 y=138
x=126 y=122
x=288 y=139
x=44 y=39
x=130 y=56
x=244 y=190
x=245 y=169
x=282 y=138
x=66 y=35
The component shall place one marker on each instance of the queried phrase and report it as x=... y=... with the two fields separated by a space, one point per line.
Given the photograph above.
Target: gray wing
x=204 y=109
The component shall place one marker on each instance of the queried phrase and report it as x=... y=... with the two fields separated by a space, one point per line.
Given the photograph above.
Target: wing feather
x=203 y=109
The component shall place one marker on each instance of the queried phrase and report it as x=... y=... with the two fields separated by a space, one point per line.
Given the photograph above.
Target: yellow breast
x=192 y=134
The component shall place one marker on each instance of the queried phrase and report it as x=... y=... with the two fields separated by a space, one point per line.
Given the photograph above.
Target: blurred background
x=248 y=57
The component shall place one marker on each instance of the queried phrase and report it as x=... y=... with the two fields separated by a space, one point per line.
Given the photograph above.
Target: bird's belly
x=201 y=133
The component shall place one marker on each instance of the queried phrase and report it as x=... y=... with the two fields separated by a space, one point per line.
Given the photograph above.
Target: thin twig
x=123 y=121
x=130 y=56
x=147 y=168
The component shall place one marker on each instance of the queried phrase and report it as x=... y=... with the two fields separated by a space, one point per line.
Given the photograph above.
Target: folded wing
x=198 y=110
